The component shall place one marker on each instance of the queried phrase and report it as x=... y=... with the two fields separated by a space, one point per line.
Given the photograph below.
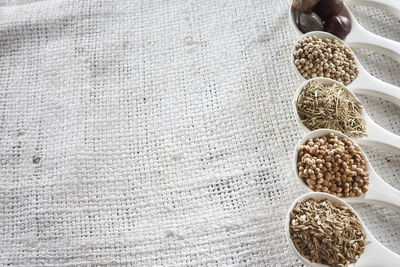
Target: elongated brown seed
x=326 y=233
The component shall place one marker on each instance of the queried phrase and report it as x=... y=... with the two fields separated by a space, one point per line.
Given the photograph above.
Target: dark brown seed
x=339 y=26
x=310 y=22
x=328 y=8
x=304 y=5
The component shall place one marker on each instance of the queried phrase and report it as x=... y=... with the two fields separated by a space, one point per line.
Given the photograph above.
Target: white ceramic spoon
x=359 y=37
x=364 y=83
x=375 y=254
x=391 y=6
x=377 y=136
x=379 y=192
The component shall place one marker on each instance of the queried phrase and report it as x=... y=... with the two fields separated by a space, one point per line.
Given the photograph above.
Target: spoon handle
x=392 y=6
x=362 y=38
x=367 y=84
x=376 y=254
x=382 y=193
x=379 y=137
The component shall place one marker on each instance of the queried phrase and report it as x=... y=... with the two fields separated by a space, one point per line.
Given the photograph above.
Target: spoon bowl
x=379 y=192
x=364 y=83
x=292 y=17
x=359 y=37
x=377 y=136
x=375 y=254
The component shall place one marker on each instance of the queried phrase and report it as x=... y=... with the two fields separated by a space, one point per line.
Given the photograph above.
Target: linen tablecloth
x=159 y=132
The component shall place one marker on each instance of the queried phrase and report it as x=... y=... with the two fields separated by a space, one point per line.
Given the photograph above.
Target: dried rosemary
x=325 y=233
x=330 y=106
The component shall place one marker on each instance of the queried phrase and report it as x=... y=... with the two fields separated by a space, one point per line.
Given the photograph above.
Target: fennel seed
x=326 y=233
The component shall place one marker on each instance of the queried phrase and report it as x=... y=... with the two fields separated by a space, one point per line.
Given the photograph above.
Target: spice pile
x=321 y=15
x=325 y=233
x=327 y=58
x=333 y=165
x=330 y=106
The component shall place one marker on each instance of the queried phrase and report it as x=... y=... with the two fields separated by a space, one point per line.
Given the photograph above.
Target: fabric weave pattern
x=159 y=132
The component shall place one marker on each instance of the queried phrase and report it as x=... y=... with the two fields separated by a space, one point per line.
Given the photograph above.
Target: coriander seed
x=342 y=169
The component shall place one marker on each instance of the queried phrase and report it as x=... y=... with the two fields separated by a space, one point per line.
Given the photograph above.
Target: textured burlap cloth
x=159 y=132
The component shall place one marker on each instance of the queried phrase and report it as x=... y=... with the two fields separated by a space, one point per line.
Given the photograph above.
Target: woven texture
x=159 y=132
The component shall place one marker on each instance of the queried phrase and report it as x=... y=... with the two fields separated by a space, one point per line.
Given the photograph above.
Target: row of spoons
x=381 y=193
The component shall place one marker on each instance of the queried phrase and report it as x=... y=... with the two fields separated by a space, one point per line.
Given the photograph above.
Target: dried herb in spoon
x=330 y=106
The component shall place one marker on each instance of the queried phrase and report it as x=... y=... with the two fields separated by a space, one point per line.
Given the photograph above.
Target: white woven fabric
x=159 y=132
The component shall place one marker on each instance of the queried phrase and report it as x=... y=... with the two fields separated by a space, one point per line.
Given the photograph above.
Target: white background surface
x=159 y=132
